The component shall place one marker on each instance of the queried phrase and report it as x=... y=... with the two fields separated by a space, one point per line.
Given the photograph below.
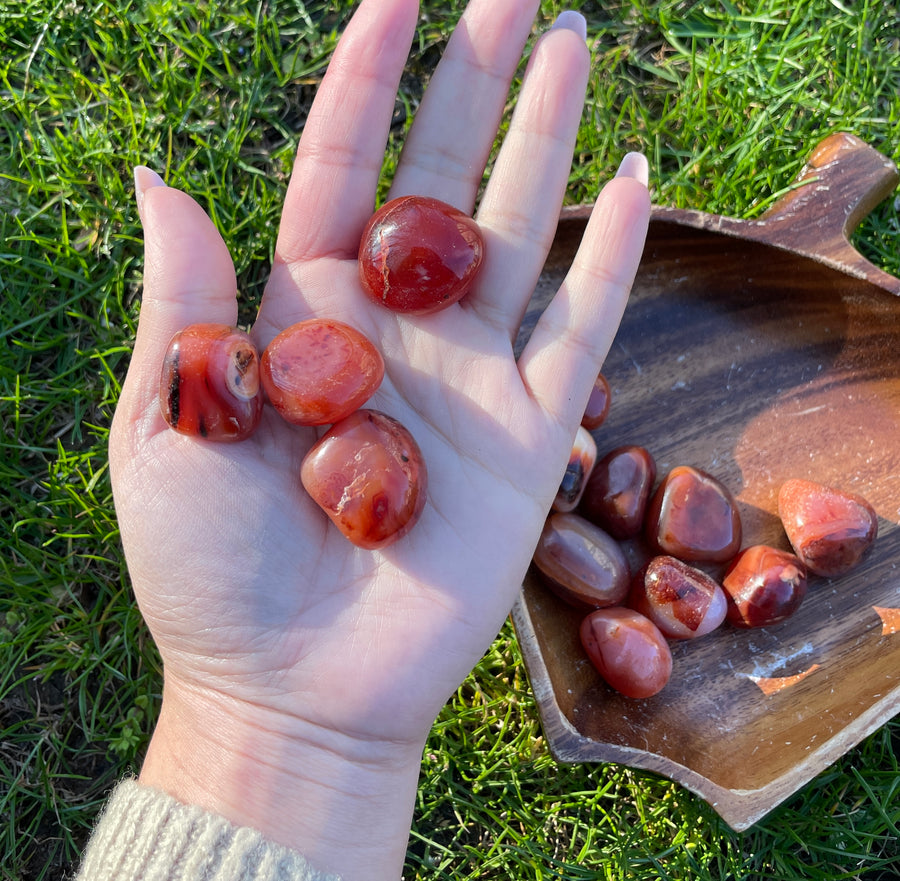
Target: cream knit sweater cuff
x=146 y=834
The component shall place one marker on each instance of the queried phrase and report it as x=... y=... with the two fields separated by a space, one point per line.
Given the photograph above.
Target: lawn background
x=727 y=100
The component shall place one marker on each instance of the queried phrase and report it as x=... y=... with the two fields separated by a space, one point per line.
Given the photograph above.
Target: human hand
x=302 y=674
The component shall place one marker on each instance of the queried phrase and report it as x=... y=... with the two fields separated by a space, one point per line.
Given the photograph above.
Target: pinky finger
x=573 y=336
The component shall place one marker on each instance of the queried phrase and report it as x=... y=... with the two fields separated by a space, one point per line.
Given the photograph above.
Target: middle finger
x=456 y=124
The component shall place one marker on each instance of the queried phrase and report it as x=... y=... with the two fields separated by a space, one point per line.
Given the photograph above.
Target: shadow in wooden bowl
x=758 y=351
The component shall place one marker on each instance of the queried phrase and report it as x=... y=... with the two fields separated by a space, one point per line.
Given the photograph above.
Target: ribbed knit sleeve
x=145 y=834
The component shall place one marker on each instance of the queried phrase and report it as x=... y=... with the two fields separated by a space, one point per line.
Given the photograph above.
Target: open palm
x=255 y=600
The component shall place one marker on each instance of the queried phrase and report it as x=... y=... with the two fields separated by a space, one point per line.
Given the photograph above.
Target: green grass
x=727 y=99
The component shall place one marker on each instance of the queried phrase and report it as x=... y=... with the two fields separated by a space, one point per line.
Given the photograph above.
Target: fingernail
x=635 y=165
x=572 y=21
x=144 y=179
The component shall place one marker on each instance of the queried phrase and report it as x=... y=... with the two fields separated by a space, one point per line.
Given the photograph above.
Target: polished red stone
x=419 y=255
x=692 y=516
x=209 y=385
x=581 y=563
x=368 y=475
x=319 y=371
x=830 y=530
x=597 y=408
x=618 y=490
x=581 y=463
x=681 y=600
x=763 y=586
x=628 y=651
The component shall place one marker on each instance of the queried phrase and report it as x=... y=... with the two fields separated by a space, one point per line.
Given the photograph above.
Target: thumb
x=188 y=278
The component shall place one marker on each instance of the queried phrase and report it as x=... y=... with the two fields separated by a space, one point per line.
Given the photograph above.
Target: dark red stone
x=419 y=255
x=764 y=586
x=617 y=492
x=693 y=516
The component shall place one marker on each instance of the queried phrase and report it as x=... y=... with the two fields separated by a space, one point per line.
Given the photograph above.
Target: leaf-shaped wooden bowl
x=758 y=351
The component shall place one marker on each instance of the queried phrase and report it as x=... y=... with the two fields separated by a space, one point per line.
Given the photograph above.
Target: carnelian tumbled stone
x=210 y=383
x=682 y=601
x=419 y=255
x=692 y=516
x=581 y=563
x=581 y=463
x=597 y=408
x=764 y=586
x=618 y=490
x=628 y=650
x=830 y=530
x=319 y=371
x=368 y=475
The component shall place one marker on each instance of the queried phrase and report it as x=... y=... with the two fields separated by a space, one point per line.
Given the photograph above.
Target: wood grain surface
x=757 y=350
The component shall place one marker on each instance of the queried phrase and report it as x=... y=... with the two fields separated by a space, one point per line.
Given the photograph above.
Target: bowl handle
x=843 y=180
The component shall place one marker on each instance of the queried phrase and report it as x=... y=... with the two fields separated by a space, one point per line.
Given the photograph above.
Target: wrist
x=343 y=802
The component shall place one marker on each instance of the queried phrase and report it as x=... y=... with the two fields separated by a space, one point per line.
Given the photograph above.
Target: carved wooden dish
x=758 y=351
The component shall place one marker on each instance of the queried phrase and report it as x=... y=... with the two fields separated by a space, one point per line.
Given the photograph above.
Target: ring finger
x=520 y=207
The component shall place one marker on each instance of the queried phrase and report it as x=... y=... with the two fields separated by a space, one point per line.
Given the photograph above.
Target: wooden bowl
x=758 y=351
